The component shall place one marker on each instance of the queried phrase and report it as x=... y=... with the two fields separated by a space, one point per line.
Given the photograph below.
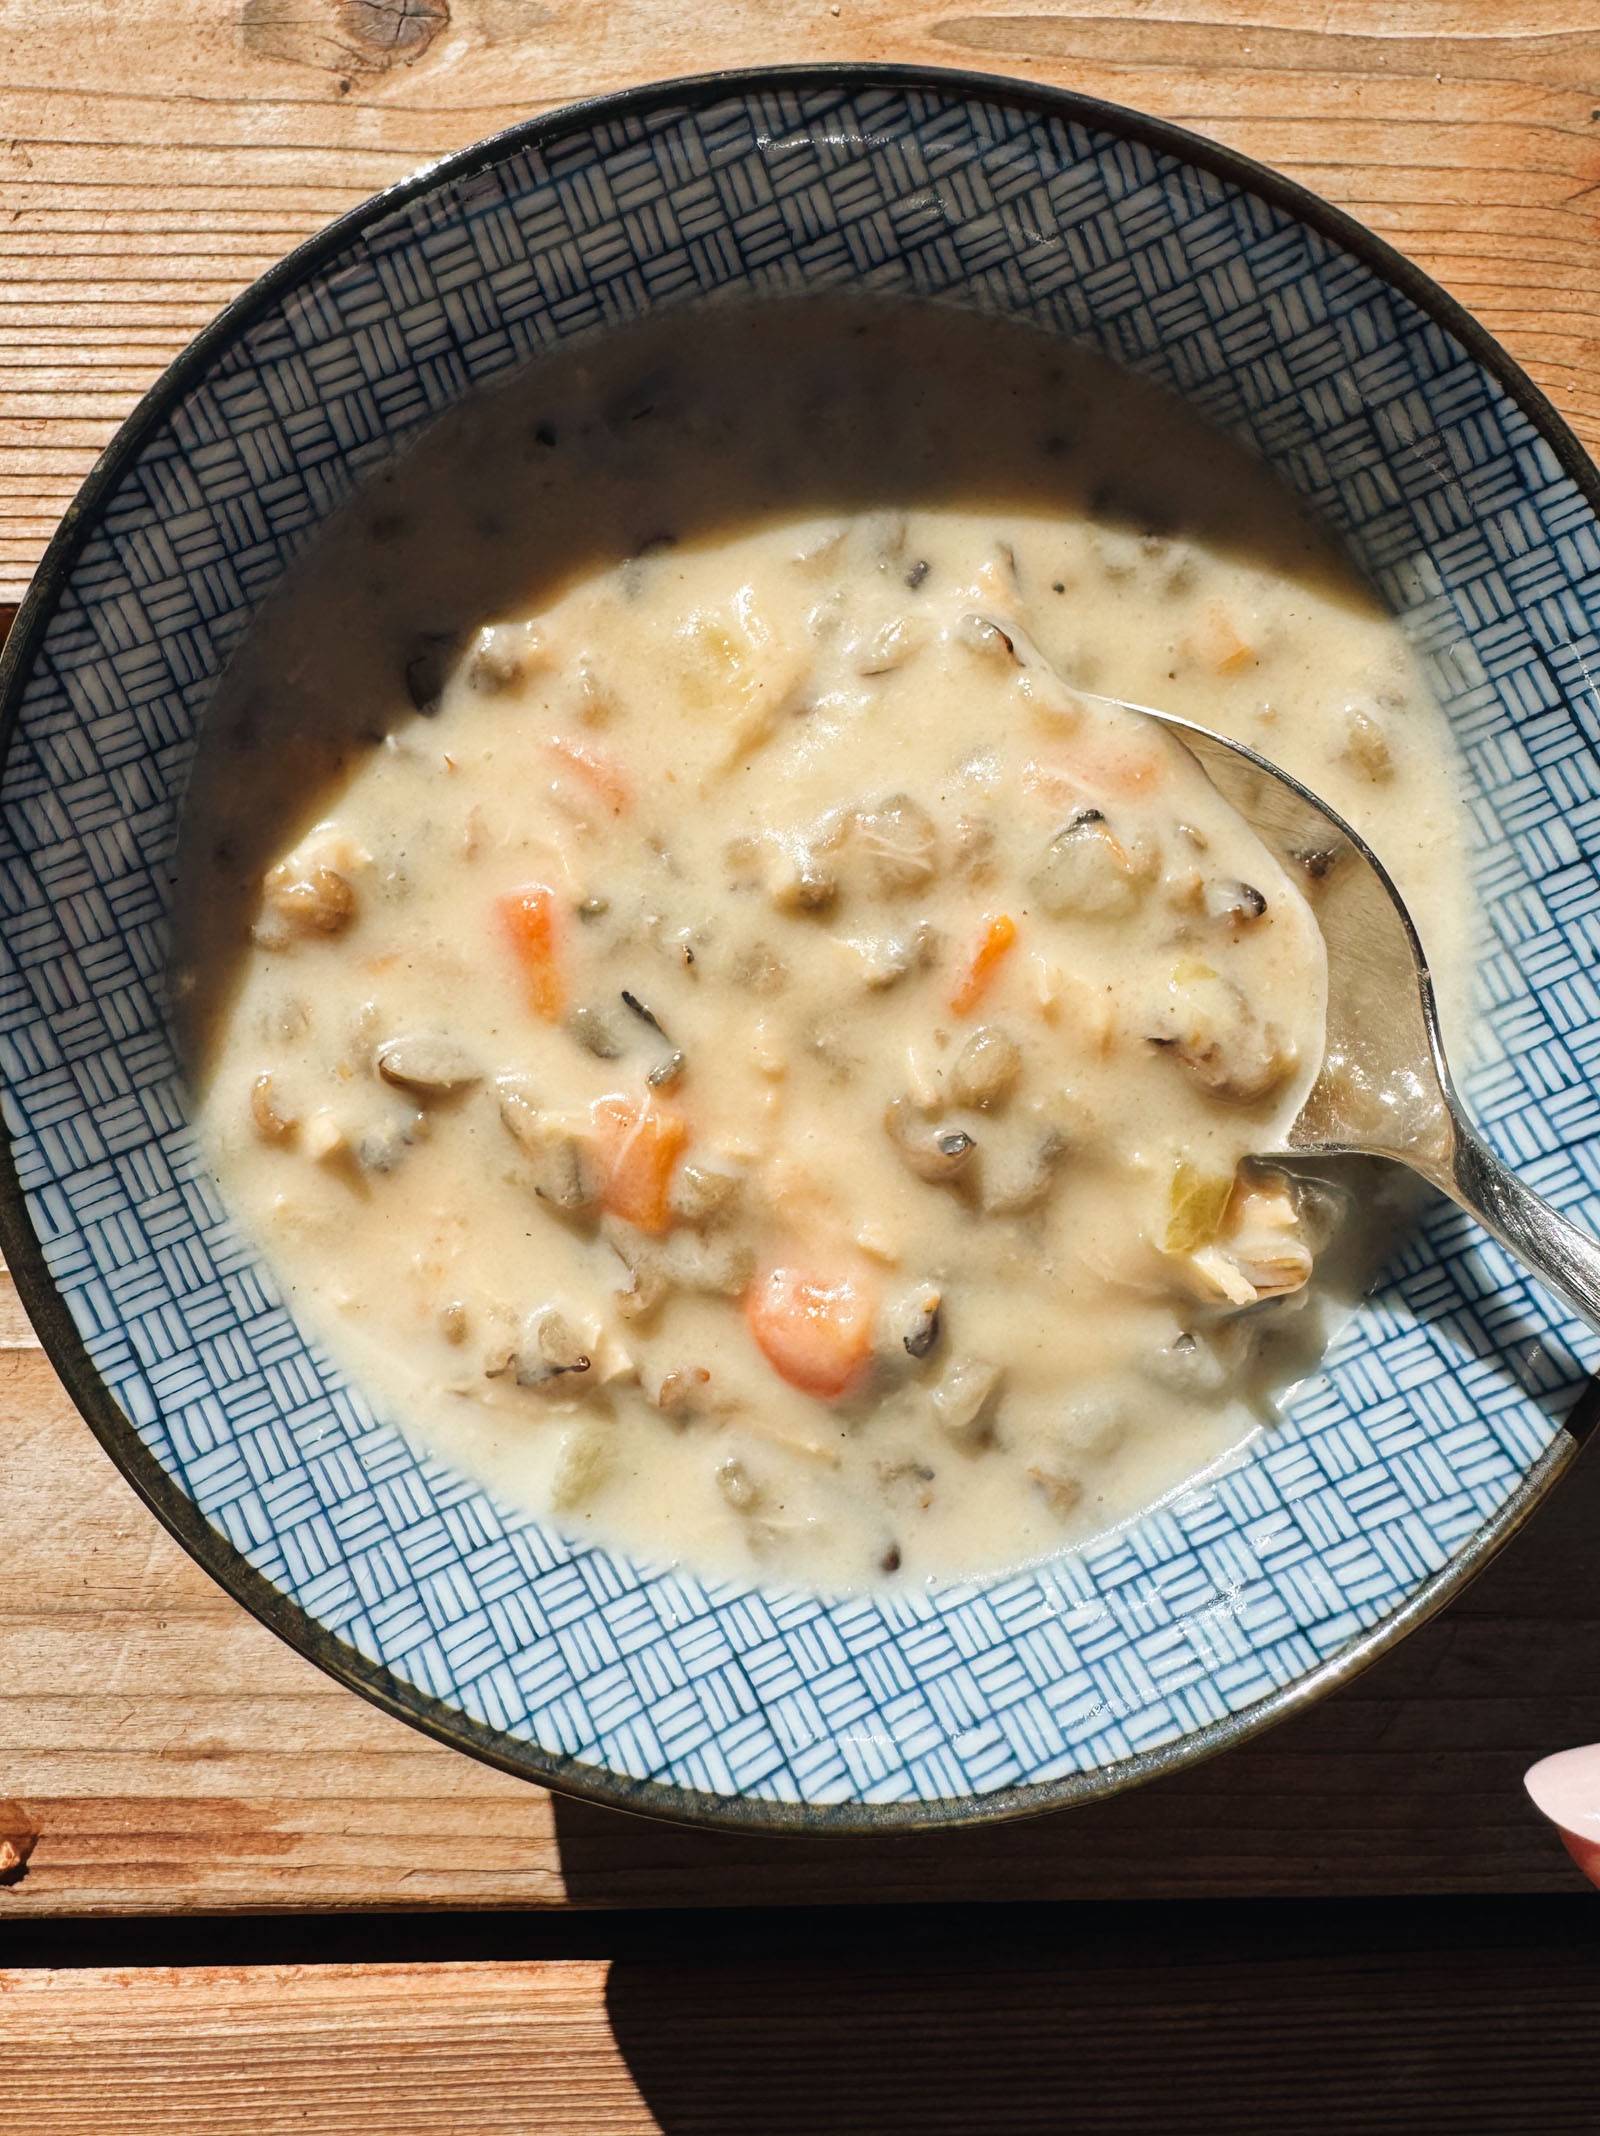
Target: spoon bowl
x=1385 y=1087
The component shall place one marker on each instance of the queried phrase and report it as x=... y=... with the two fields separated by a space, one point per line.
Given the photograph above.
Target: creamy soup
x=716 y=1024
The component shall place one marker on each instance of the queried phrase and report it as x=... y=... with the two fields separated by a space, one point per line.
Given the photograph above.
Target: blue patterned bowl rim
x=52 y=1321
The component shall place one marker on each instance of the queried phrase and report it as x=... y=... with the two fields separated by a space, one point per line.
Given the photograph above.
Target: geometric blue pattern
x=1334 y=366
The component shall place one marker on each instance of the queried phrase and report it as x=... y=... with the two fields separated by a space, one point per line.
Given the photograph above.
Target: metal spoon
x=1385 y=1089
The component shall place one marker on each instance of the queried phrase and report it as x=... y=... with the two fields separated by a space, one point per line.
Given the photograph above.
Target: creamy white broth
x=707 y=1025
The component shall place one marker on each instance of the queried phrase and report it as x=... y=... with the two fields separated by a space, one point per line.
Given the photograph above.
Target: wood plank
x=313 y=2048
x=154 y=160
x=159 y=1750
x=1225 y=2022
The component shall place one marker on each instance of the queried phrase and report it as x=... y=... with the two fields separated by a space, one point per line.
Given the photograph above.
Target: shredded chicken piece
x=1260 y=1251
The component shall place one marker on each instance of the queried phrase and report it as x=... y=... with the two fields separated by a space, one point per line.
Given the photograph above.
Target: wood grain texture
x=161 y=1751
x=1213 y=2029
x=155 y=159
x=236 y=2051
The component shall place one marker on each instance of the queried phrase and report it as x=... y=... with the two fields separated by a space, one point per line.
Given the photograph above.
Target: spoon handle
x=1565 y=1259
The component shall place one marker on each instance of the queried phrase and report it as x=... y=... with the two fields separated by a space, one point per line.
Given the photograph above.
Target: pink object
x=1567 y=1789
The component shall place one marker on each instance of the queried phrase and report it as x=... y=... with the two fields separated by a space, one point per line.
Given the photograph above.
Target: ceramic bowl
x=1449 y=1403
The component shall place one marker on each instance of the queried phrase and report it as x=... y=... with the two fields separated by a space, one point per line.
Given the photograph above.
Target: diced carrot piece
x=529 y=919
x=1221 y=644
x=814 y=1333
x=1125 y=768
x=1114 y=764
x=602 y=774
x=1052 y=782
x=999 y=933
x=640 y=1144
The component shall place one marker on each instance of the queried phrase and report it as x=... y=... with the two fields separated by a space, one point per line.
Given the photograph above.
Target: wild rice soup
x=709 y=1028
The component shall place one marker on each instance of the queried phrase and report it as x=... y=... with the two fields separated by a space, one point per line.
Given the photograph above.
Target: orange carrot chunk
x=602 y=774
x=999 y=933
x=1098 y=763
x=640 y=1144
x=528 y=917
x=1221 y=644
x=815 y=1334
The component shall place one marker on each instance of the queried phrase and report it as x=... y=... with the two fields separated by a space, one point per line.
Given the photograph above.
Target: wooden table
x=162 y=1756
